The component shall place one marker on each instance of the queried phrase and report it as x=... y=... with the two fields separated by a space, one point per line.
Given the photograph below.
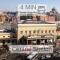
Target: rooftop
x=32 y=22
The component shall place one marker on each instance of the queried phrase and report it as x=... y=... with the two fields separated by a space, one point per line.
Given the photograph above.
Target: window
x=29 y=33
x=8 y=41
x=28 y=17
x=25 y=32
x=12 y=41
x=9 y=19
x=29 y=42
x=22 y=17
x=49 y=31
x=34 y=31
x=38 y=41
x=0 y=20
x=41 y=31
x=6 y=19
x=8 y=36
x=3 y=36
x=25 y=17
x=38 y=18
x=52 y=31
x=37 y=32
x=45 y=31
x=21 y=32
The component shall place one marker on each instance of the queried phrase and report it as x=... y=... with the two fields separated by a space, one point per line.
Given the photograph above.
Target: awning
x=40 y=37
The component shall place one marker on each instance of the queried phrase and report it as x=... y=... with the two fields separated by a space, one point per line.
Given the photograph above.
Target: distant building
x=31 y=11
x=3 y=17
x=12 y=16
x=7 y=16
x=26 y=13
x=51 y=19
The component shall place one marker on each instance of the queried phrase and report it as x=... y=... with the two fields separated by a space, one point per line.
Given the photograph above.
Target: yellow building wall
x=5 y=35
x=36 y=27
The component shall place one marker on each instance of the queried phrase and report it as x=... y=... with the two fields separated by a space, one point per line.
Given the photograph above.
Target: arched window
x=25 y=32
x=45 y=31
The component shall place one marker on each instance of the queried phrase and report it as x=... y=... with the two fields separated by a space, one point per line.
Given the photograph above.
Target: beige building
x=37 y=31
x=7 y=37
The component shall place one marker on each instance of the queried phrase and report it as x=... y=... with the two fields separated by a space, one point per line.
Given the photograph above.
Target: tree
x=53 y=10
x=23 y=40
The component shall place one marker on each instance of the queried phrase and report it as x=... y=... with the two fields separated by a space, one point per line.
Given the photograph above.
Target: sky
x=11 y=5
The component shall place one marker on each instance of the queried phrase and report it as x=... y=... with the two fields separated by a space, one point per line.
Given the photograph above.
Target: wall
x=36 y=29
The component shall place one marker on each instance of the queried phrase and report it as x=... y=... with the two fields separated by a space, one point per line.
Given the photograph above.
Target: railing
x=43 y=49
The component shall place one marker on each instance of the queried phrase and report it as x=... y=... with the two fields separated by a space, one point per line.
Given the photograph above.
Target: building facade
x=37 y=31
x=7 y=37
